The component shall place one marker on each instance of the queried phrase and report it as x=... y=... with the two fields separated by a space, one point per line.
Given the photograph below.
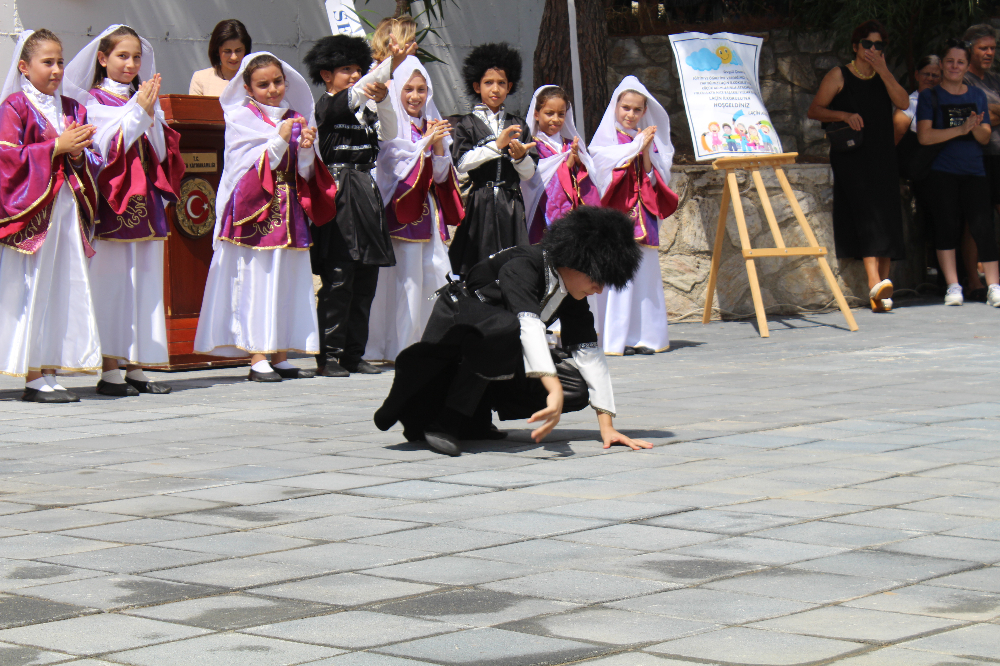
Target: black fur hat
x=335 y=51
x=598 y=242
x=484 y=57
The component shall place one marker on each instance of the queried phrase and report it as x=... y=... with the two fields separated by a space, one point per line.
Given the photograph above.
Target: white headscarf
x=548 y=166
x=12 y=84
x=247 y=135
x=608 y=154
x=108 y=119
x=397 y=158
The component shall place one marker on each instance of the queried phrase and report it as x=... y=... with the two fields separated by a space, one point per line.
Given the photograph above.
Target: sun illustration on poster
x=704 y=60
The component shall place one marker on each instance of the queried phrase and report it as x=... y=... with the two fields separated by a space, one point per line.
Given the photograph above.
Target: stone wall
x=787 y=284
x=791 y=67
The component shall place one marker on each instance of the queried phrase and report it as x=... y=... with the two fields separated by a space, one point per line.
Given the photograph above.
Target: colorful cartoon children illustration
x=766 y=130
x=713 y=144
x=753 y=138
x=732 y=140
x=741 y=134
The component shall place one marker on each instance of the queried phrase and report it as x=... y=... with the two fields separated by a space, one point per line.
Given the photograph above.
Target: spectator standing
x=983 y=41
x=229 y=44
x=957 y=190
x=867 y=219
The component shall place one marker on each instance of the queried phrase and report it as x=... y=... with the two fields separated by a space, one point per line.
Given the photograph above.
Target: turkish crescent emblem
x=196 y=208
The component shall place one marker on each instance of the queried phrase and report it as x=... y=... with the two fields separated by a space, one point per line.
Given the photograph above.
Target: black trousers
x=344 y=303
x=956 y=201
x=462 y=404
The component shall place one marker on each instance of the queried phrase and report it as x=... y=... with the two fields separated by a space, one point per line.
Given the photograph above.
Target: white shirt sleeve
x=535 y=349
x=387 y=126
x=442 y=167
x=380 y=74
x=594 y=367
x=478 y=157
x=276 y=148
x=525 y=167
x=307 y=162
x=134 y=124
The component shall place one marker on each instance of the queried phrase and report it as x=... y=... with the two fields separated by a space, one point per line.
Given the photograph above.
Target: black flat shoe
x=49 y=397
x=443 y=442
x=645 y=351
x=263 y=376
x=148 y=386
x=360 y=367
x=332 y=369
x=413 y=435
x=295 y=373
x=116 y=390
x=629 y=351
x=71 y=397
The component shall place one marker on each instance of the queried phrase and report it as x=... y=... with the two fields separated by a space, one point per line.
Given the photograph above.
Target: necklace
x=861 y=76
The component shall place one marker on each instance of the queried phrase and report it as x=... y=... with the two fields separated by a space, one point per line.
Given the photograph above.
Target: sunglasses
x=957 y=44
x=867 y=44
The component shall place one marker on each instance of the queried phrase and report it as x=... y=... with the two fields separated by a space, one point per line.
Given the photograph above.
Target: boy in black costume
x=484 y=347
x=347 y=254
x=486 y=147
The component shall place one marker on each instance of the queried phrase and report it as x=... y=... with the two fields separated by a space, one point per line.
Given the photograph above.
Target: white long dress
x=46 y=309
x=260 y=301
x=637 y=315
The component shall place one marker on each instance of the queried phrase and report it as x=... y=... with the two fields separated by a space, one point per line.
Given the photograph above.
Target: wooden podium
x=188 y=250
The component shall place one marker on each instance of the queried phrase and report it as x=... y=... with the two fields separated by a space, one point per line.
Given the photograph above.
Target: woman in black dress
x=867 y=219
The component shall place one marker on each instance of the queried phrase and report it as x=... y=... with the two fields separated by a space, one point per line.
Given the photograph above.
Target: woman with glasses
x=867 y=219
x=957 y=191
x=928 y=75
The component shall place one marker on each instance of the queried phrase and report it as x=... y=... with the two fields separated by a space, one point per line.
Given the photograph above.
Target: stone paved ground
x=818 y=497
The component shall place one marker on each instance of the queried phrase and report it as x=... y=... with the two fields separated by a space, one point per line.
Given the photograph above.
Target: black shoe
x=71 y=397
x=629 y=351
x=116 y=390
x=295 y=373
x=332 y=369
x=264 y=376
x=148 y=386
x=413 y=435
x=443 y=442
x=50 y=397
x=977 y=295
x=360 y=367
x=645 y=351
x=492 y=433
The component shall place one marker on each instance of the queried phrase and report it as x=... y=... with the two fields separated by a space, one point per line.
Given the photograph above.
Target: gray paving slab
x=824 y=533
x=750 y=646
x=857 y=624
x=237 y=544
x=225 y=650
x=985 y=580
x=980 y=640
x=475 y=607
x=366 y=659
x=808 y=586
x=16 y=611
x=339 y=528
x=606 y=625
x=439 y=539
x=760 y=551
x=96 y=634
x=230 y=611
x=894 y=656
x=897 y=566
x=707 y=605
x=347 y=589
x=721 y=522
x=494 y=647
x=22 y=655
x=353 y=629
x=956 y=604
x=585 y=587
x=974 y=550
x=131 y=559
x=15 y=574
x=541 y=551
x=457 y=570
x=112 y=592
x=531 y=523
x=143 y=530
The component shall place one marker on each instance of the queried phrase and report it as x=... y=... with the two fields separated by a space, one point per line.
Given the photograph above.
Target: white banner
x=721 y=91
x=343 y=18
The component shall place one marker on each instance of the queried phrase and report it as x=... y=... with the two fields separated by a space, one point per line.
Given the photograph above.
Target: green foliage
x=916 y=27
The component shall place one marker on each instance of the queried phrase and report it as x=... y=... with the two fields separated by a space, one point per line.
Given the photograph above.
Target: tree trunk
x=552 y=59
x=402 y=7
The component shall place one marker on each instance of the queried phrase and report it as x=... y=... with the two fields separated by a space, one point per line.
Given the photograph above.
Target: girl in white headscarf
x=562 y=179
x=632 y=156
x=419 y=188
x=48 y=195
x=259 y=293
x=115 y=77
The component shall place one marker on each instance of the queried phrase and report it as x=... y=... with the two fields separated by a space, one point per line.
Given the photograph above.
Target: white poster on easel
x=344 y=18
x=721 y=91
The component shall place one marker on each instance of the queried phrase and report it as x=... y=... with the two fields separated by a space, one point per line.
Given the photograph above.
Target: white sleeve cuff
x=442 y=167
x=478 y=157
x=380 y=74
x=134 y=124
x=594 y=368
x=306 y=162
x=387 y=127
x=537 y=359
x=276 y=148
x=525 y=167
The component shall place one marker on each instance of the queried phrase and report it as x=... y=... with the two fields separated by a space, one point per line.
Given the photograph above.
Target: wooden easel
x=731 y=191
